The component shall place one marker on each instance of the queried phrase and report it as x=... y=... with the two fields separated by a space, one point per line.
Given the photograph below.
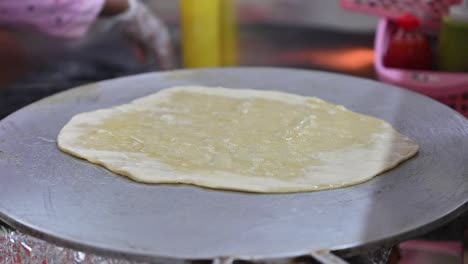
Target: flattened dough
x=237 y=139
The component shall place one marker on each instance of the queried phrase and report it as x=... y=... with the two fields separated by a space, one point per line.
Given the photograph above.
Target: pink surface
x=63 y=18
x=427 y=252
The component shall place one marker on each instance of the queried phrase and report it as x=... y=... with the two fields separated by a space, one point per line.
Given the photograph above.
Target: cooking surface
x=71 y=202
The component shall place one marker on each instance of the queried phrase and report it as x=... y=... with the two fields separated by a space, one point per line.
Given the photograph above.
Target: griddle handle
x=326 y=257
x=322 y=256
x=223 y=260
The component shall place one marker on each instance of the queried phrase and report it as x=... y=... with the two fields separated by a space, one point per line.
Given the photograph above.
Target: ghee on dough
x=237 y=139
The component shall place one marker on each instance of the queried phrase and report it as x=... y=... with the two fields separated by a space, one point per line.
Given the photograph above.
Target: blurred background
x=292 y=33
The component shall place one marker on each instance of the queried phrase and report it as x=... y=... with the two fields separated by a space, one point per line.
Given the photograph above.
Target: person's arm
x=66 y=19
x=138 y=22
x=73 y=19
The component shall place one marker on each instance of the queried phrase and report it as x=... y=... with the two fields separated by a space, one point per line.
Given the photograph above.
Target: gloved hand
x=140 y=24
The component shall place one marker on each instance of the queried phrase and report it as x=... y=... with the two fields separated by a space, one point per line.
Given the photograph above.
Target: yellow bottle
x=209 y=36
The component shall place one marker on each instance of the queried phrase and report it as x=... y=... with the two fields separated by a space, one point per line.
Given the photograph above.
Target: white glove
x=140 y=24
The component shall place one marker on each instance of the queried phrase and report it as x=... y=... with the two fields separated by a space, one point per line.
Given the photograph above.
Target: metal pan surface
x=73 y=203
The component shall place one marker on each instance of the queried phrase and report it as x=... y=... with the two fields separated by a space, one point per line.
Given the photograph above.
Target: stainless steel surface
x=71 y=202
x=326 y=257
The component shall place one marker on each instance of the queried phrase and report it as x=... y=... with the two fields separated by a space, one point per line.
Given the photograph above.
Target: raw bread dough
x=237 y=139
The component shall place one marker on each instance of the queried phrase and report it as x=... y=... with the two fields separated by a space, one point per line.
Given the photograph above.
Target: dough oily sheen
x=237 y=139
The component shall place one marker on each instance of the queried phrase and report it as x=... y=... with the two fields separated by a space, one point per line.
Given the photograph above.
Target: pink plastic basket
x=448 y=88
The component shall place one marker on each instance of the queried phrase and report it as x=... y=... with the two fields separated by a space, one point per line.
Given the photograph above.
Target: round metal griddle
x=74 y=203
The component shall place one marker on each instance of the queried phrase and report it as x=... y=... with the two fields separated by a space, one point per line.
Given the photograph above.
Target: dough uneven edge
x=219 y=183
x=163 y=174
